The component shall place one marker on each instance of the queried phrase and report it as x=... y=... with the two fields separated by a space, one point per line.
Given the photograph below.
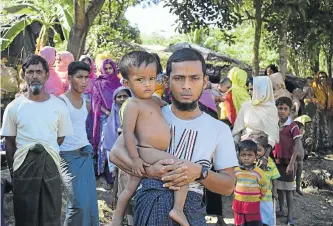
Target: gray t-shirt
x=202 y=140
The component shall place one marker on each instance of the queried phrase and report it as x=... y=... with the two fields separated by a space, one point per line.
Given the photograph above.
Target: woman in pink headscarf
x=92 y=76
x=102 y=94
x=63 y=59
x=54 y=84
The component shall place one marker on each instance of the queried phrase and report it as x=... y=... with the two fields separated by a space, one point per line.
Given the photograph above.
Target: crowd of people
x=171 y=141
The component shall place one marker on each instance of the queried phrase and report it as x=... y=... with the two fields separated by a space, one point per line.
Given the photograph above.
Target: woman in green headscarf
x=237 y=94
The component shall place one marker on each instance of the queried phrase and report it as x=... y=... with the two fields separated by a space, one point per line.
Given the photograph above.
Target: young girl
x=272 y=174
x=251 y=186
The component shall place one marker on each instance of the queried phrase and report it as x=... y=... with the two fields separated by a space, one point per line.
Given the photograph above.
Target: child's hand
x=275 y=194
x=137 y=166
x=290 y=169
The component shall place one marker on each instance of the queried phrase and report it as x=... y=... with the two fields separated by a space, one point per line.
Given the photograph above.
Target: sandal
x=291 y=223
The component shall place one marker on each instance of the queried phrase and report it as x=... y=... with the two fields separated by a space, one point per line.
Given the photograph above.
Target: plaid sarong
x=153 y=204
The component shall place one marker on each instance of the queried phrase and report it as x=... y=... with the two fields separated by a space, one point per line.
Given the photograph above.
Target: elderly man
x=34 y=125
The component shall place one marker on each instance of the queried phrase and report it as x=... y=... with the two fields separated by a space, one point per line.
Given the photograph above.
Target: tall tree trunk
x=84 y=17
x=283 y=45
x=329 y=57
x=257 y=36
x=315 y=61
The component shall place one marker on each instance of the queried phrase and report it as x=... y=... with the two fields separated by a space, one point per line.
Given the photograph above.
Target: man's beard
x=184 y=106
x=36 y=89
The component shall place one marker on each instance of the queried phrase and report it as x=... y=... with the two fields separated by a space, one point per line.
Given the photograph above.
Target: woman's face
x=269 y=71
x=108 y=69
x=121 y=97
x=322 y=78
x=58 y=59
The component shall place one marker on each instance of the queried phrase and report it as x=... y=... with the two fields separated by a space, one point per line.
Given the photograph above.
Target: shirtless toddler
x=144 y=126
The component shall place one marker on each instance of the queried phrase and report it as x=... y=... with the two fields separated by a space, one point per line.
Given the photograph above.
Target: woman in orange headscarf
x=322 y=126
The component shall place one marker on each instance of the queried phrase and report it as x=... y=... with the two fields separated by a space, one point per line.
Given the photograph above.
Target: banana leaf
x=13 y=31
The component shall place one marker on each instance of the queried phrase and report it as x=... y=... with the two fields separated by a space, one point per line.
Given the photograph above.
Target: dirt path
x=315 y=208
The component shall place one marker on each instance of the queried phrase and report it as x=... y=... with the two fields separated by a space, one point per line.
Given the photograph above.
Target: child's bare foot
x=179 y=216
x=281 y=213
x=117 y=221
x=299 y=191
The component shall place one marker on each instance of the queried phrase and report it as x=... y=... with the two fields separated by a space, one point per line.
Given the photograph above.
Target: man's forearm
x=10 y=151
x=222 y=182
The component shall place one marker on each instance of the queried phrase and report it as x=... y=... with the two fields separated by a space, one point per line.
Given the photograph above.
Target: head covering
x=207 y=99
x=279 y=86
x=102 y=94
x=240 y=94
x=54 y=84
x=323 y=93
x=110 y=129
x=92 y=75
x=303 y=119
x=99 y=60
x=260 y=113
x=62 y=67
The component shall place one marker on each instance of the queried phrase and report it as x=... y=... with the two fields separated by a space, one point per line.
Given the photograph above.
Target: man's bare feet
x=179 y=216
x=299 y=191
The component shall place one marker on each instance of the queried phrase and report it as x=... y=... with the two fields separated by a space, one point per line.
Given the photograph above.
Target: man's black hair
x=185 y=54
x=158 y=61
x=134 y=60
x=225 y=80
x=284 y=100
x=247 y=145
x=309 y=78
x=75 y=66
x=34 y=60
x=273 y=67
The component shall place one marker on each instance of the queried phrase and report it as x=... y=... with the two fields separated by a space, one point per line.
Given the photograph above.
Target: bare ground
x=315 y=208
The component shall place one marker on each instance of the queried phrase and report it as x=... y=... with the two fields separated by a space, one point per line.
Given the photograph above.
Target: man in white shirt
x=34 y=125
x=196 y=138
x=76 y=153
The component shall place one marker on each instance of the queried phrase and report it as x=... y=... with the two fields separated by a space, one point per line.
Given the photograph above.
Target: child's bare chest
x=151 y=127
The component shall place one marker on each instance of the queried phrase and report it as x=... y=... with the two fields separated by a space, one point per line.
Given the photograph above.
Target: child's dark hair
x=249 y=81
x=247 y=145
x=273 y=67
x=261 y=140
x=300 y=125
x=158 y=61
x=75 y=66
x=224 y=80
x=134 y=60
x=284 y=100
x=309 y=78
